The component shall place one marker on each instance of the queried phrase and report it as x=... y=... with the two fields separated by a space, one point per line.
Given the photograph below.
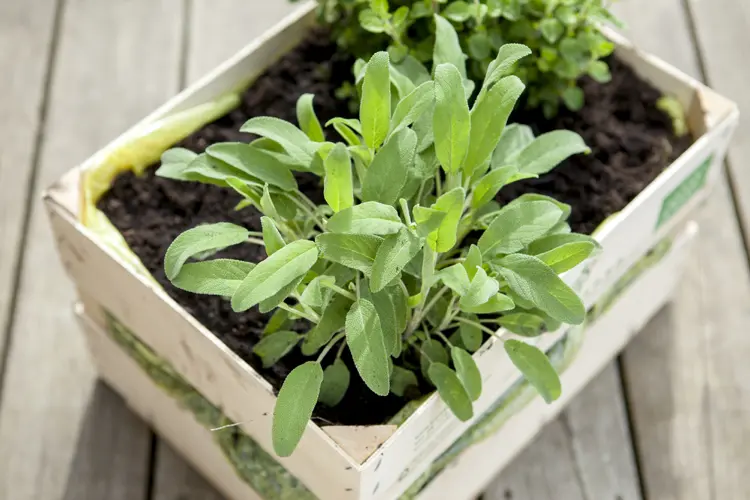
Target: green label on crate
x=682 y=193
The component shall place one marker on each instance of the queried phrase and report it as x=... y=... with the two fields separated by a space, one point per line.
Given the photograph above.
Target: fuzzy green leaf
x=448 y=48
x=294 y=406
x=296 y=144
x=275 y=346
x=496 y=304
x=392 y=308
x=271 y=236
x=524 y=324
x=517 y=225
x=548 y=150
x=335 y=383
x=527 y=197
x=369 y=217
x=214 y=277
x=356 y=251
x=332 y=320
x=273 y=274
x=348 y=129
x=507 y=56
x=427 y=219
x=316 y=293
x=488 y=118
x=473 y=261
x=467 y=372
x=307 y=119
x=431 y=352
x=401 y=380
x=536 y=367
x=387 y=175
x=195 y=241
x=338 y=189
x=481 y=290
x=489 y=185
x=514 y=139
x=567 y=256
x=444 y=237
x=456 y=278
x=534 y=281
x=412 y=107
x=553 y=241
x=451 y=120
x=375 y=109
x=392 y=256
x=471 y=336
x=457 y=11
x=280 y=320
x=364 y=336
x=451 y=391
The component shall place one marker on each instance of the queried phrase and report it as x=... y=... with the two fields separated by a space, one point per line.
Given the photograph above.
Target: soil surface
x=631 y=140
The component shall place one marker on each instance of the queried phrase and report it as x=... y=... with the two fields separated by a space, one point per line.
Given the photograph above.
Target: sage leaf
x=481 y=290
x=427 y=270
x=431 y=352
x=507 y=56
x=356 y=251
x=364 y=336
x=375 y=108
x=272 y=238
x=338 y=189
x=567 y=256
x=392 y=308
x=526 y=197
x=489 y=185
x=471 y=336
x=536 y=367
x=412 y=107
x=214 y=277
x=444 y=237
x=401 y=380
x=296 y=144
x=456 y=278
x=534 y=281
x=346 y=128
x=448 y=47
x=254 y=161
x=205 y=238
x=331 y=321
x=488 y=118
x=427 y=220
x=514 y=139
x=451 y=120
x=524 y=324
x=452 y=391
x=392 y=256
x=468 y=372
x=387 y=175
x=307 y=119
x=548 y=150
x=552 y=241
x=517 y=225
x=294 y=406
x=275 y=273
x=275 y=346
x=335 y=383
x=272 y=302
x=369 y=217
x=496 y=304
x=473 y=261
x=316 y=292
x=280 y=320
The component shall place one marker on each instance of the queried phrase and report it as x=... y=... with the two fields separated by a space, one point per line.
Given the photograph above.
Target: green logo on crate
x=682 y=193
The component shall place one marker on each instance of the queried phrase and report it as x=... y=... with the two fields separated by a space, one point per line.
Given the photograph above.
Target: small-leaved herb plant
x=411 y=262
x=563 y=36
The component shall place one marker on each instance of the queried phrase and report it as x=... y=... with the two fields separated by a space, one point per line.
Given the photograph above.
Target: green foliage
x=563 y=36
x=382 y=269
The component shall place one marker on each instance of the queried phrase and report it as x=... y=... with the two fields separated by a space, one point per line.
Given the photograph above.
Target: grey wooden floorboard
x=687 y=372
x=26 y=31
x=546 y=470
x=61 y=436
x=722 y=29
x=238 y=22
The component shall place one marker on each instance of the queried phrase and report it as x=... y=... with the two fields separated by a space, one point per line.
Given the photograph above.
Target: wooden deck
x=669 y=420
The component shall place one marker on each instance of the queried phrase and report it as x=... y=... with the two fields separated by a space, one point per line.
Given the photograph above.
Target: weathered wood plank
x=239 y=22
x=686 y=373
x=722 y=30
x=26 y=32
x=59 y=436
x=546 y=470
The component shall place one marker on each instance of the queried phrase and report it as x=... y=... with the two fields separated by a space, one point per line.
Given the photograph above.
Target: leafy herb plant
x=563 y=37
x=411 y=263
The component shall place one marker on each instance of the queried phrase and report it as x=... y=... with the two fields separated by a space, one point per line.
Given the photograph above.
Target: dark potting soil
x=631 y=140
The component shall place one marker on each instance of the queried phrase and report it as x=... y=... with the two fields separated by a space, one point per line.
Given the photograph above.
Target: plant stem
x=478 y=325
x=405 y=210
x=422 y=312
x=313 y=319
x=340 y=291
x=330 y=346
x=445 y=339
x=256 y=241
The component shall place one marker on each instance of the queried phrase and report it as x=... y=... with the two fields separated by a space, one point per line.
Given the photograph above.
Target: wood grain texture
x=687 y=372
x=722 y=29
x=176 y=480
x=26 y=32
x=61 y=436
